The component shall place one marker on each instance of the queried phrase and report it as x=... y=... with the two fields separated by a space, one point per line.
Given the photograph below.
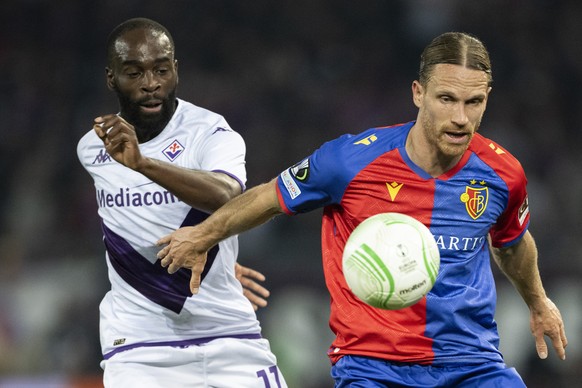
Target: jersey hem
x=180 y=343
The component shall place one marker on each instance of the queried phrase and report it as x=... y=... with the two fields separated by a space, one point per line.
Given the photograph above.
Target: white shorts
x=225 y=362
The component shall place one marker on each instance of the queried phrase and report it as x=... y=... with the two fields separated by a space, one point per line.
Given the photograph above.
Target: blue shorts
x=364 y=372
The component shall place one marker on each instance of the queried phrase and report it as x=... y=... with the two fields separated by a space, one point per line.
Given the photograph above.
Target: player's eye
x=131 y=72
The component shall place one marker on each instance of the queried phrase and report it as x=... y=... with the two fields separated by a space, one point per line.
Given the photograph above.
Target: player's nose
x=460 y=117
x=150 y=82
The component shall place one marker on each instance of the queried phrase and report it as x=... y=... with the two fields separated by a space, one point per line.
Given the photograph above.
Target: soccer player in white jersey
x=159 y=164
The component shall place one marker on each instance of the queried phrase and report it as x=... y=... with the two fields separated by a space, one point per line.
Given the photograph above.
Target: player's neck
x=146 y=134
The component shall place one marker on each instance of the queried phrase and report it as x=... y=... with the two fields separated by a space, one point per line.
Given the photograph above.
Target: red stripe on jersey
x=385 y=185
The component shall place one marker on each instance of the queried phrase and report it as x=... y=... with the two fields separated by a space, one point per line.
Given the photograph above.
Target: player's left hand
x=546 y=320
x=253 y=291
x=182 y=251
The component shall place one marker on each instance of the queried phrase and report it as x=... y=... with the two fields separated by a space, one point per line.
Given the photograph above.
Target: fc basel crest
x=475 y=199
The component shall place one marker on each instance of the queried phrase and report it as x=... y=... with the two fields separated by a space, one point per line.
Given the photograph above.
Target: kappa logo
x=367 y=140
x=301 y=170
x=102 y=157
x=221 y=129
x=173 y=150
x=475 y=199
x=393 y=189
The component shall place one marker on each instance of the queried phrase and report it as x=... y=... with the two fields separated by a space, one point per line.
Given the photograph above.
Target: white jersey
x=147 y=306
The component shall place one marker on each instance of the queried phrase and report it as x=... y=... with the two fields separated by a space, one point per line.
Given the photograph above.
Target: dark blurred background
x=288 y=75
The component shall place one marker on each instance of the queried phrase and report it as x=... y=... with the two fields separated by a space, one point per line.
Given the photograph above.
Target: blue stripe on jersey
x=151 y=279
x=464 y=294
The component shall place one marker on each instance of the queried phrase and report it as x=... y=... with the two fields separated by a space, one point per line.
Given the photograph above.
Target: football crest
x=475 y=199
x=173 y=150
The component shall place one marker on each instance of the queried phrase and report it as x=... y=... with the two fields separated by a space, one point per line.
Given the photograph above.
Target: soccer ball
x=391 y=261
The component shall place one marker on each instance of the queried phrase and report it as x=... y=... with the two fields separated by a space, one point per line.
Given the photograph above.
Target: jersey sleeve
x=322 y=178
x=314 y=182
x=514 y=220
x=224 y=151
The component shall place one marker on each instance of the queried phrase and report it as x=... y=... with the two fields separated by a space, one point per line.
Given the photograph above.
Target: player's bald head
x=152 y=27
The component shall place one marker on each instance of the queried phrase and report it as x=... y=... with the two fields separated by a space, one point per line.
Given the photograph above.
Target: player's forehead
x=143 y=45
x=458 y=79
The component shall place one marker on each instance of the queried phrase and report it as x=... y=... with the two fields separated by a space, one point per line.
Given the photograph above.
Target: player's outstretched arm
x=519 y=263
x=186 y=247
x=252 y=290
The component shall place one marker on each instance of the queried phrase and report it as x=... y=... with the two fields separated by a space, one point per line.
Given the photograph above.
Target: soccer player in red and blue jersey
x=469 y=191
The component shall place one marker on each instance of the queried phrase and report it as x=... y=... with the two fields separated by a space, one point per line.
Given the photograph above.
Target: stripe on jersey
x=180 y=343
x=151 y=279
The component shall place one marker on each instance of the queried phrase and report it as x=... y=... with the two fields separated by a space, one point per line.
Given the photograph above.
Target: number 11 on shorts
x=264 y=374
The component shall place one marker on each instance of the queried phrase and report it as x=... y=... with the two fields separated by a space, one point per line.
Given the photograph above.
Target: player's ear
x=109 y=78
x=417 y=92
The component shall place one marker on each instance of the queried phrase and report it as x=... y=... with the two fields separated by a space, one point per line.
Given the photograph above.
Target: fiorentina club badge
x=475 y=200
x=173 y=150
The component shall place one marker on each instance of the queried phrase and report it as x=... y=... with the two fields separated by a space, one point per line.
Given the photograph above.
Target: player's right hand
x=181 y=252
x=120 y=140
x=546 y=320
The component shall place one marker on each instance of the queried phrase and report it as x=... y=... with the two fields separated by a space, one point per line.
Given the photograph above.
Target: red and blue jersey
x=356 y=176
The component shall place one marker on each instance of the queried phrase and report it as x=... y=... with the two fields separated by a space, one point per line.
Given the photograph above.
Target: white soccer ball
x=391 y=261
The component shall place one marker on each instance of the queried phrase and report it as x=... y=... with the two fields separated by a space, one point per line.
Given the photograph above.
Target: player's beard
x=147 y=126
x=436 y=135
